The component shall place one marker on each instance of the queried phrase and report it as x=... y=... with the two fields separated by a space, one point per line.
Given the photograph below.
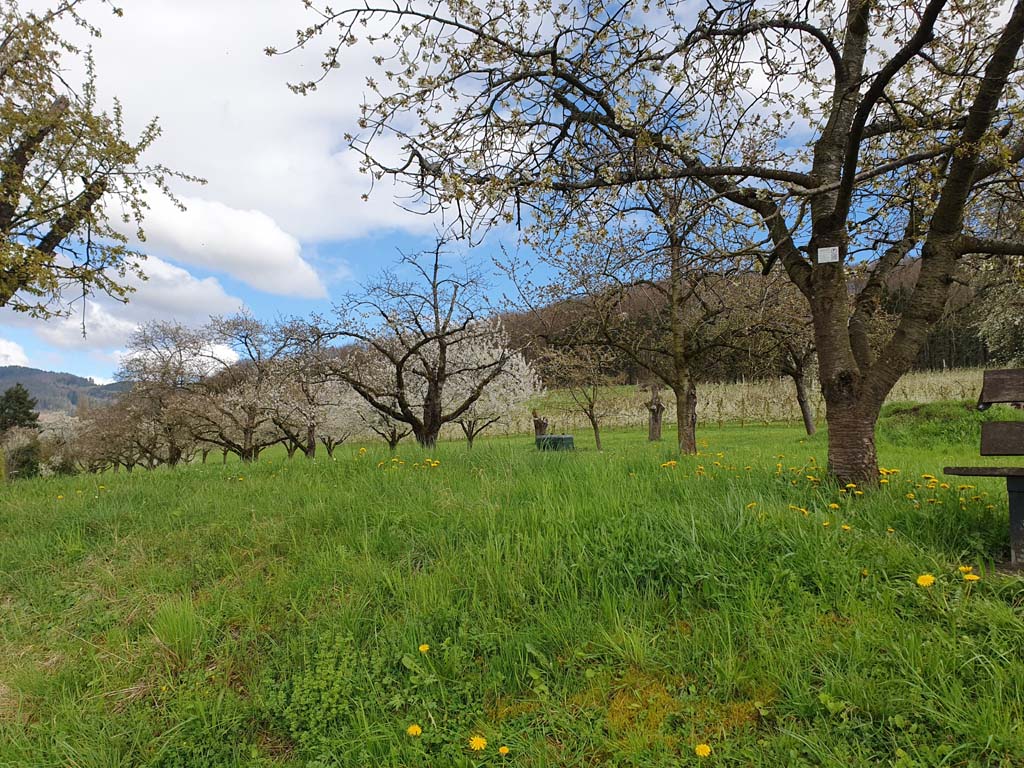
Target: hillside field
x=622 y=608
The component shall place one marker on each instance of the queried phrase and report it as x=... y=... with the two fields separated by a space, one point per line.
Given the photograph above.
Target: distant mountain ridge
x=55 y=391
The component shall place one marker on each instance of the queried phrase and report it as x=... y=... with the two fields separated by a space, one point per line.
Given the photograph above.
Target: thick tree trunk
x=804 y=402
x=686 y=416
x=851 y=441
x=174 y=454
x=311 y=441
x=427 y=435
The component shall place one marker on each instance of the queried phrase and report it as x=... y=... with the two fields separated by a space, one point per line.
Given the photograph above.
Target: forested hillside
x=56 y=391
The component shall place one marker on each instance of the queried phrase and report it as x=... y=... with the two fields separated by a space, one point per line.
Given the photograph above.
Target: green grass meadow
x=581 y=609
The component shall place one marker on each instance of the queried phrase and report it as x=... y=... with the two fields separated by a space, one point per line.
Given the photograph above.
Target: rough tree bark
x=655 y=412
x=686 y=415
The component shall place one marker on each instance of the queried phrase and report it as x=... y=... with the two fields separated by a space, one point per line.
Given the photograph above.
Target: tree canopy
x=876 y=129
x=17 y=409
x=73 y=185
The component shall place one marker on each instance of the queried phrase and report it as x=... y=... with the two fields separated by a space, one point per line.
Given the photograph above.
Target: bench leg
x=1015 y=490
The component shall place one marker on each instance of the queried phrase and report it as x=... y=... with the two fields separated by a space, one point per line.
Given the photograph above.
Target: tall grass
x=583 y=609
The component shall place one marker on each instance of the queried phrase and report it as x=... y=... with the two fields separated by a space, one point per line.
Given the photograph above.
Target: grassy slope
x=586 y=609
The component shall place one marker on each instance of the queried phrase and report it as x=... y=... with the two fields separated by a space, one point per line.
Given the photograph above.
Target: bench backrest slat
x=1002 y=386
x=1002 y=438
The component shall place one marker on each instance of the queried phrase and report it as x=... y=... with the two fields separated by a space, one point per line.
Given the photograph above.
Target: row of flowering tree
x=410 y=353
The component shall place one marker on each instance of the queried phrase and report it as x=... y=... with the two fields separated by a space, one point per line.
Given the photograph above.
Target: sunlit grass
x=583 y=609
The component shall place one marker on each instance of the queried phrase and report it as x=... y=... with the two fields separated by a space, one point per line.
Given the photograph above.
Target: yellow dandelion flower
x=845 y=527
x=944 y=486
x=702 y=750
x=414 y=730
x=60 y=496
x=833 y=505
x=858 y=493
x=826 y=524
x=890 y=530
x=965 y=568
x=927 y=477
x=972 y=577
x=503 y=750
x=424 y=648
x=925 y=580
x=850 y=485
x=477 y=743
x=883 y=481
x=751 y=505
x=911 y=496
x=863 y=573
x=362 y=451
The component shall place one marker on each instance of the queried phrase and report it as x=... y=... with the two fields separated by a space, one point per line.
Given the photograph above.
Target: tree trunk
x=290 y=448
x=540 y=425
x=174 y=453
x=206 y=453
x=804 y=402
x=686 y=415
x=592 y=417
x=469 y=430
x=311 y=441
x=426 y=436
x=851 y=441
x=393 y=439
x=655 y=414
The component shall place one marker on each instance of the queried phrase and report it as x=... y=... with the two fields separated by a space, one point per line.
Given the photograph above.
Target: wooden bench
x=1003 y=438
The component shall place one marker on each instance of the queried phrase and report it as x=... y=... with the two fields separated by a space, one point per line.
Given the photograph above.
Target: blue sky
x=280 y=227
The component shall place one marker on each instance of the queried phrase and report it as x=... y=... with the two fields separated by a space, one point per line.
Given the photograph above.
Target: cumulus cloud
x=246 y=244
x=227 y=114
x=169 y=293
x=12 y=353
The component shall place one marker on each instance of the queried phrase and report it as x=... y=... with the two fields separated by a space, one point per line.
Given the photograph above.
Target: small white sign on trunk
x=828 y=255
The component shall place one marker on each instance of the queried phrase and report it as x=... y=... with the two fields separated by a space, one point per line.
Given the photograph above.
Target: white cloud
x=227 y=114
x=246 y=244
x=12 y=353
x=169 y=293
